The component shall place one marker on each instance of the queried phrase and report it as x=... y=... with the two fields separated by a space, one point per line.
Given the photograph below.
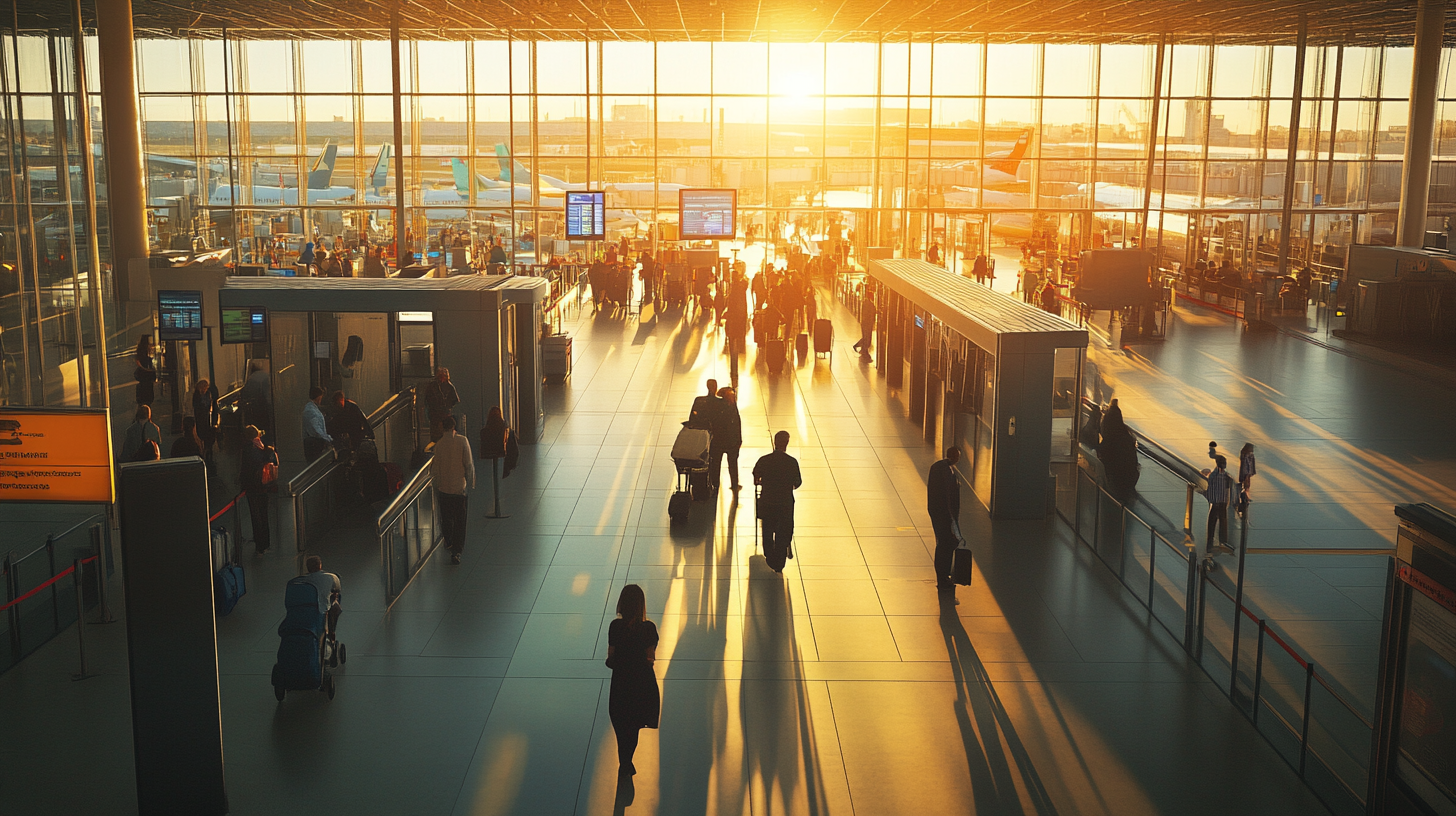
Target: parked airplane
x=320 y=187
x=515 y=172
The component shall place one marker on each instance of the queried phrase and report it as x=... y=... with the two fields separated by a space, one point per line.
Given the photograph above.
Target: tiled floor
x=1342 y=435
x=843 y=686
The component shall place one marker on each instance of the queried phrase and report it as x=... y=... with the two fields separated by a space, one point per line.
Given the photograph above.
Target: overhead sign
x=706 y=214
x=586 y=215
x=179 y=314
x=55 y=456
x=244 y=324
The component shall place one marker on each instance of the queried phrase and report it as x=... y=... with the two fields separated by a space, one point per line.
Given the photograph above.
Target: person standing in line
x=204 y=409
x=140 y=430
x=1220 y=487
x=943 y=501
x=778 y=474
x=635 y=702
x=347 y=422
x=866 y=325
x=440 y=400
x=146 y=371
x=453 y=470
x=1247 y=471
x=189 y=443
x=316 y=438
x=727 y=431
x=258 y=474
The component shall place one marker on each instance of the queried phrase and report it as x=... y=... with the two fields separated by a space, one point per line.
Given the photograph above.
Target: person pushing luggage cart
x=309 y=646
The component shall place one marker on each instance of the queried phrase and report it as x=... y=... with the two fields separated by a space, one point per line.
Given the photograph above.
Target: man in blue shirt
x=316 y=437
x=1218 y=493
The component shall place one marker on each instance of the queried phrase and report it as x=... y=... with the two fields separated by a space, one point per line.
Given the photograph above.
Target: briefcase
x=960 y=567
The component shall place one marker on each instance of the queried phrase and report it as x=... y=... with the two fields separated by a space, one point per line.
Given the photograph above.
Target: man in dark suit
x=347 y=422
x=943 y=500
x=778 y=474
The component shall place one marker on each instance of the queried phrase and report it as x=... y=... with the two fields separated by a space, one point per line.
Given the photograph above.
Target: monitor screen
x=707 y=214
x=179 y=314
x=244 y=324
x=586 y=215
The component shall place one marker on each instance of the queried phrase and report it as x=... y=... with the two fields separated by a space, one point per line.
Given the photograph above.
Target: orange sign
x=55 y=456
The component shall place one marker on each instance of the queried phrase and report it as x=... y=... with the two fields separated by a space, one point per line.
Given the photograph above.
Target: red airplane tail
x=1012 y=161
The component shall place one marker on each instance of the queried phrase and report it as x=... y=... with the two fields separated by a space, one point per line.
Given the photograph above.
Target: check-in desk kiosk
x=984 y=371
x=1413 y=756
x=371 y=338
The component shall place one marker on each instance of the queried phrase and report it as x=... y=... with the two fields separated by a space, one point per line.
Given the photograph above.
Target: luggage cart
x=690 y=457
x=308 y=649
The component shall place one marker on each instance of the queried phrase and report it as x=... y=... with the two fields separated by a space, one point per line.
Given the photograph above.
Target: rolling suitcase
x=960 y=567
x=228 y=583
x=678 y=505
x=698 y=485
x=801 y=345
x=774 y=353
x=823 y=336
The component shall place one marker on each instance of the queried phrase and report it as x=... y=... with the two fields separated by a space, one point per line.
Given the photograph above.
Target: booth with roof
x=984 y=371
x=373 y=339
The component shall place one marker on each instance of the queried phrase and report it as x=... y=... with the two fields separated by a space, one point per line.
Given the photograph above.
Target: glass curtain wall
x=1021 y=151
x=47 y=319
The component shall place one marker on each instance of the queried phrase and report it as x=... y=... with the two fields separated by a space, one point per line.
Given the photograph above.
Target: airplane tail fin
x=321 y=175
x=462 y=176
x=379 y=175
x=510 y=170
x=1012 y=161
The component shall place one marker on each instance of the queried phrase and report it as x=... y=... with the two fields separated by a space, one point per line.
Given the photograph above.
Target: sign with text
x=55 y=456
x=244 y=324
x=179 y=314
x=706 y=214
x=586 y=215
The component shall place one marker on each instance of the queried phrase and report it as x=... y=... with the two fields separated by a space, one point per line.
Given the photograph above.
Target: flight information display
x=586 y=215
x=244 y=324
x=706 y=214
x=179 y=314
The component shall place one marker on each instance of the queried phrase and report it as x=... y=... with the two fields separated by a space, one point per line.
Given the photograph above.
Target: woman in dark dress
x=146 y=372
x=631 y=650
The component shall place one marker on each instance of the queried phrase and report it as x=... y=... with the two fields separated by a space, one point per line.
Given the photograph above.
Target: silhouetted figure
x=778 y=474
x=635 y=701
x=1118 y=452
x=943 y=502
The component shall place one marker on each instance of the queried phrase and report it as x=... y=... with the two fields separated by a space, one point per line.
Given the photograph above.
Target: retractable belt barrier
x=54 y=578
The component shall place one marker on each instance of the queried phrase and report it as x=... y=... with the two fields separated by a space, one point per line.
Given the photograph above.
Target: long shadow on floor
x=992 y=744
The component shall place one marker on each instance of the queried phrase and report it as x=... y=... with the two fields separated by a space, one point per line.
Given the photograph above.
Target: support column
x=1415 y=178
x=530 y=419
x=100 y=379
x=400 y=228
x=126 y=195
x=1286 y=226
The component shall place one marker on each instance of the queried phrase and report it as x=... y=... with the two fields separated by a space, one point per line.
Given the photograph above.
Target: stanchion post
x=97 y=546
x=80 y=618
x=50 y=547
x=11 y=590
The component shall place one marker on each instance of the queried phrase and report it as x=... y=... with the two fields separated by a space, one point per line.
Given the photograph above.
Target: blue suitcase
x=228 y=583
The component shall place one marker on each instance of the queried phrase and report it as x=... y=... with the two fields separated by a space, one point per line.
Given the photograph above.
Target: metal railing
x=317 y=491
x=409 y=531
x=37 y=605
x=1301 y=712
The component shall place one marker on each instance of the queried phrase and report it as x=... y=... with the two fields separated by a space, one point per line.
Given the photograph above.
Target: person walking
x=943 y=501
x=440 y=400
x=258 y=474
x=867 y=311
x=453 y=470
x=634 y=702
x=1220 y=488
x=778 y=474
x=140 y=430
x=727 y=438
x=146 y=371
x=316 y=438
x=705 y=409
x=1247 y=471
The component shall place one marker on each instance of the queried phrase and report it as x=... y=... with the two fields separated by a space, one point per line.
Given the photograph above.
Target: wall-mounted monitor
x=586 y=215
x=244 y=324
x=709 y=215
x=179 y=314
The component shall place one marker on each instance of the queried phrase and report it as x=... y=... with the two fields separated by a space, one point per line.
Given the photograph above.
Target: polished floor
x=844 y=686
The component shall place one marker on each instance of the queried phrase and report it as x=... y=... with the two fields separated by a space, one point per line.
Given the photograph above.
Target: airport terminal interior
x=1114 y=343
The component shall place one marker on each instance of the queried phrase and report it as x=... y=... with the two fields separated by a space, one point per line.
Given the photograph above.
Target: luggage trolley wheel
x=343 y=655
x=329 y=687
